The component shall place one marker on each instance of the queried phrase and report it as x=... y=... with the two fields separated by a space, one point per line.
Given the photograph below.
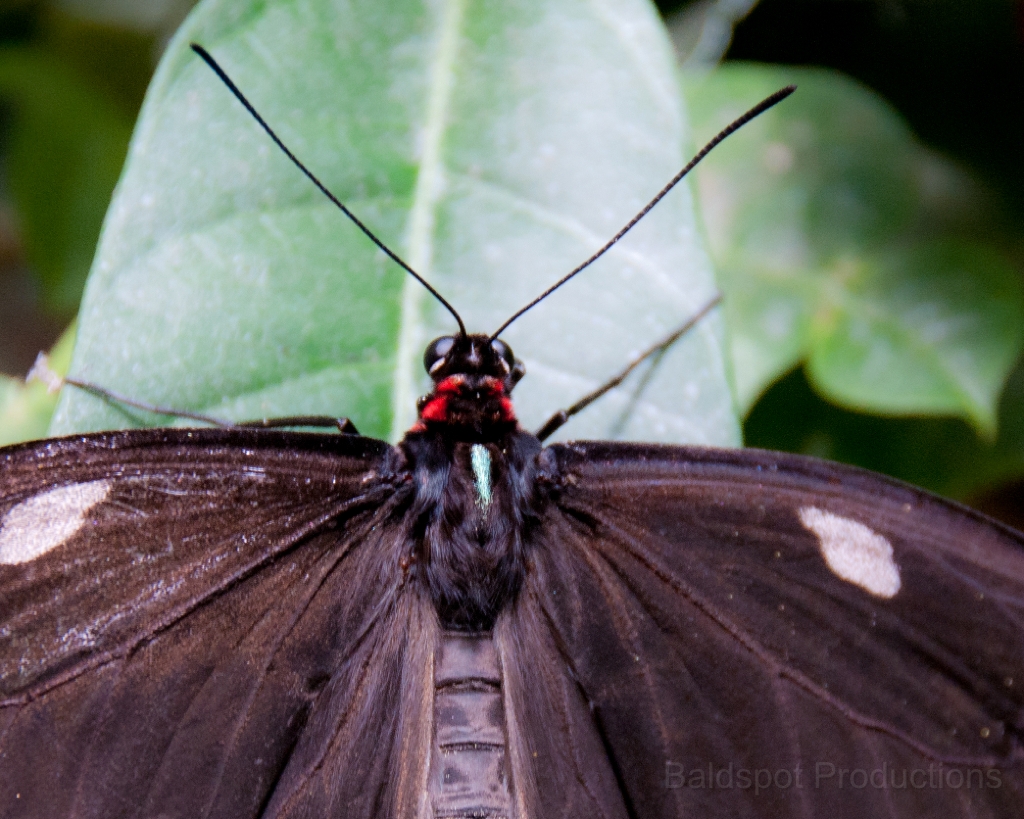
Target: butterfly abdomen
x=469 y=768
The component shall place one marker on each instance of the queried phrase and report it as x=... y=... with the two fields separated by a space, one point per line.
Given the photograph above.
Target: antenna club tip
x=776 y=98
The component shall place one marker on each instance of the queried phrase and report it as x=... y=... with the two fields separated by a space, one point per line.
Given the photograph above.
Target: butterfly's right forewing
x=751 y=630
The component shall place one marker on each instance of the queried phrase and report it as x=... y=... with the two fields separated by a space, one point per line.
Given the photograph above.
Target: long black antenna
x=208 y=59
x=758 y=109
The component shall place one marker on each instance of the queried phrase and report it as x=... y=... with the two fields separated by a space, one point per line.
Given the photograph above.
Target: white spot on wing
x=854 y=552
x=34 y=527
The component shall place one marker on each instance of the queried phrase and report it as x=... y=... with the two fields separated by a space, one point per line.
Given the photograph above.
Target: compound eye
x=436 y=352
x=504 y=352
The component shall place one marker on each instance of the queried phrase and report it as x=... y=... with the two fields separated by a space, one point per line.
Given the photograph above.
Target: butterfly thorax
x=468 y=408
x=471 y=517
x=473 y=476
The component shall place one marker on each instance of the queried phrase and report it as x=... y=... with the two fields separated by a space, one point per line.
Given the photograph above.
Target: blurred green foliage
x=874 y=296
x=841 y=242
x=72 y=77
x=70 y=89
x=850 y=251
x=65 y=148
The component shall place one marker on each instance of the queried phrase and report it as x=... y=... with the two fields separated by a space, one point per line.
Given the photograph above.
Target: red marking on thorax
x=452 y=384
x=437 y=408
x=507 y=412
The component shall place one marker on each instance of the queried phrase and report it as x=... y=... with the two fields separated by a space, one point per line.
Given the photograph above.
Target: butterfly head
x=473 y=376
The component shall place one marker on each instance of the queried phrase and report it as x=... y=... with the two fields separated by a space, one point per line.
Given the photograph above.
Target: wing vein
x=743 y=637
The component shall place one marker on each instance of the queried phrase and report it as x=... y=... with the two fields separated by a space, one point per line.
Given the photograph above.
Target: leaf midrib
x=423 y=212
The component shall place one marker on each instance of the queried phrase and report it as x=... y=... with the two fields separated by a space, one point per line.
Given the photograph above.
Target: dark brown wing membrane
x=216 y=639
x=561 y=765
x=732 y=673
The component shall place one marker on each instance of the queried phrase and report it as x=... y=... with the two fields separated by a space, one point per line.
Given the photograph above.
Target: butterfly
x=246 y=622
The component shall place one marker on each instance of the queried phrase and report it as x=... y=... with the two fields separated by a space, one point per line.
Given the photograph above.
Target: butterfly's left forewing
x=192 y=621
x=107 y=539
x=731 y=615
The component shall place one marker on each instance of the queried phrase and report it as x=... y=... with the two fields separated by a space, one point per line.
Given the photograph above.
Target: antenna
x=208 y=59
x=735 y=125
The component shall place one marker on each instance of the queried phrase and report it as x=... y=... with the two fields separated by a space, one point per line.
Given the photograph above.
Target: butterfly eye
x=504 y=352
x=436 y=352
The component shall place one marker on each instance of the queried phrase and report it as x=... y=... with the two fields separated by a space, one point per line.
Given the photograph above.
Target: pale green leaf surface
x=494 y=146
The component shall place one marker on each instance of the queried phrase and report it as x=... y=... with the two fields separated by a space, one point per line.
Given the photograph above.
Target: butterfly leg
x=560 y=417
x=343 y=425
x=115 y=398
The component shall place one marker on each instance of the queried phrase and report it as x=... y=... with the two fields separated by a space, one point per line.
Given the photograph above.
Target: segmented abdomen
x=469 y=771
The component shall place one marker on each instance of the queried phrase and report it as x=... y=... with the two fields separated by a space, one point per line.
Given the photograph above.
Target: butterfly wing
x=687 y=641
x=766 y=635
x=201 y=623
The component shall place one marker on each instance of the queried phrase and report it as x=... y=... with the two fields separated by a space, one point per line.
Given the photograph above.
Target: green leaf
x=835 y=246
x=67 y=143
x=932 y=329
x=493 y=145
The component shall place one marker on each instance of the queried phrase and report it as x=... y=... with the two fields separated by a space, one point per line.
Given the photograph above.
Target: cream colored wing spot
x=34 y=527
x=854 y=552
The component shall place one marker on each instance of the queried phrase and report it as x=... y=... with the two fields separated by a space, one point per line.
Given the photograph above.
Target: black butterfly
x=244 y=622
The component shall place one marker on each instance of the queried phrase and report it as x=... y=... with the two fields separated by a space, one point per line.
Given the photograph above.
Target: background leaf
x=831 y=251
x=493 y=145
x=943 y=454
